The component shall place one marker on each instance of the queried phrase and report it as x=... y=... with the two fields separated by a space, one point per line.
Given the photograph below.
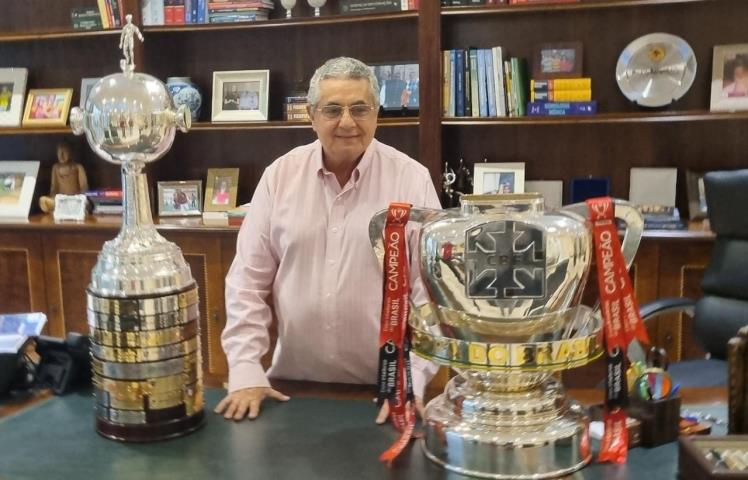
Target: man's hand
x=235 y=405
x=384 y=412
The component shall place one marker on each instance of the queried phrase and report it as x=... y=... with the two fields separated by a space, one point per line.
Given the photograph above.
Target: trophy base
x=534 y=434
x=152 y=432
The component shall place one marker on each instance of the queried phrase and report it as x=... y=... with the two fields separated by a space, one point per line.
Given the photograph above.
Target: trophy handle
x=376 y=226
x=634 y=224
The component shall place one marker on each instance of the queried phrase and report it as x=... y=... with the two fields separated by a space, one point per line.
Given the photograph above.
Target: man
x=305 y=241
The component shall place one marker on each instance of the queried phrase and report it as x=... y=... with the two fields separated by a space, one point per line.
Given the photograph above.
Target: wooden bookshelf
x=602 y=118
x=547 y=7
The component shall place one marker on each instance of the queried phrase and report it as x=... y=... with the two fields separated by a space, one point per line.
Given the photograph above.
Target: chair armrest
x=667 y=305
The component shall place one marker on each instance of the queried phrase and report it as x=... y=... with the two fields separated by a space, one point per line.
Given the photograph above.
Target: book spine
x=460 y=84
x=468 y=82
x=474 y=79
x=562 y=96
x=561 y=84
x=547 y=109
x=446 y=78
x=511 y=104
x=490 y=83
x=498 y=76
x=482 y=99
x=201 y=11
x=452 y=84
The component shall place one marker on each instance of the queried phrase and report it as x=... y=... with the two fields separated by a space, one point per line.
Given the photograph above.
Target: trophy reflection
x=505 y=279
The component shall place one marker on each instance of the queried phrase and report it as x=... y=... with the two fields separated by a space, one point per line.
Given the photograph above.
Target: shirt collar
x=360 y=169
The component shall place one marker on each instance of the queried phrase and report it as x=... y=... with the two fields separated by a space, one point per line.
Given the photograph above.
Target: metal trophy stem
x=505 y=279
x=143 y=310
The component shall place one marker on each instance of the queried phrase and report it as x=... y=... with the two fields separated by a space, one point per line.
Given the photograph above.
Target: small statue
x=449 y=198
x=126 y=43
x=463 y=180
x=68 y=178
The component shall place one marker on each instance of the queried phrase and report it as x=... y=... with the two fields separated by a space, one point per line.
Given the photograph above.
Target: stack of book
x=561 y=96
x=106 y=201
x=112 y=13
x=661 y=217
x=357 y=7
x=479 y=82
x=295 y=109
x=182 y=12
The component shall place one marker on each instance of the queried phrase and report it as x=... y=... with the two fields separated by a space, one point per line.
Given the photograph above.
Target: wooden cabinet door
x=21 y=273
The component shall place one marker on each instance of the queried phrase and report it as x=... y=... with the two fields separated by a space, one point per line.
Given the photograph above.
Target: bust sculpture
x=68 y=178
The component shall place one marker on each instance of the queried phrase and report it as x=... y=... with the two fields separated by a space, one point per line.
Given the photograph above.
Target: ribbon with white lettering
x=394 y=379
x=622 y=323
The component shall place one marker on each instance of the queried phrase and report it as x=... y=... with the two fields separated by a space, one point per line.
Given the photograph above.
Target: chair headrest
x=727 y=200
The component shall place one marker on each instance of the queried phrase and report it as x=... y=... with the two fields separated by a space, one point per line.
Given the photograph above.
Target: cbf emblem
x=505 y=260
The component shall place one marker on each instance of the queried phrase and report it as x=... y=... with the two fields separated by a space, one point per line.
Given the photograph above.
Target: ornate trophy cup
x=505 y=281
x=142 y=300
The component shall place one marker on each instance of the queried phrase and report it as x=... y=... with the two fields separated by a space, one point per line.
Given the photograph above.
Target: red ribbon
x=622 y=324
x=394 y=380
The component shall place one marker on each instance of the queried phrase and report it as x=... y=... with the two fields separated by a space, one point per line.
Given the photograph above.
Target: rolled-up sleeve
x=245 y=338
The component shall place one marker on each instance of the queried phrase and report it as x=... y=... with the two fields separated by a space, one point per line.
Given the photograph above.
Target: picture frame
x=729 y=78
x=240 y=96
x=220 y=189
x=652 y=186
x=399 y=87
x=551 y=190
x=17 y=182
x=583 y=188
x=697 y=207
x=181 y=198
x=70 y=207
x=498 y=178
x=87 y=83
x=707 y=456
x=47 y=107
x=12 y=93
x=558 y=60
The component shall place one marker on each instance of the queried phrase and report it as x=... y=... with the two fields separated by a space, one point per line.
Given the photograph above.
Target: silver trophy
x=505 y=280
x=143 y=310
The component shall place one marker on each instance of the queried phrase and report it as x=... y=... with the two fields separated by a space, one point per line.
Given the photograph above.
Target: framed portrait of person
x=730 y=78
x=12 y=93
x=47 y=107
x=240 y=96
x=557 y=60
x=180 y=198
x=498 y=178
x=551 y=190
x=86 y=85
x=220 y=189
x=399 y=87
x=17 y=182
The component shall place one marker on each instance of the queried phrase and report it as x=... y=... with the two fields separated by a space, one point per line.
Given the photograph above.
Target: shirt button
x=328 y=295
x=334 y=229
x=331 y=262
x=327 y=327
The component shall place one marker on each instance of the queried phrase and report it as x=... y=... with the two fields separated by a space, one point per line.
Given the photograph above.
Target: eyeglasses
x=334 y=112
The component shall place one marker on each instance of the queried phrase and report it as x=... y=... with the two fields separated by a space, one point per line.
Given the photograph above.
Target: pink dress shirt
x=305 y=240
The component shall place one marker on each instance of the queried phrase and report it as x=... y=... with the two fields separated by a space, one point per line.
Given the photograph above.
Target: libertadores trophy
x=143 y=310
x=504 y=280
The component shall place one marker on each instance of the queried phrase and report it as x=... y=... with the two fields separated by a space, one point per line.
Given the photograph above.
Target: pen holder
x=660 y=419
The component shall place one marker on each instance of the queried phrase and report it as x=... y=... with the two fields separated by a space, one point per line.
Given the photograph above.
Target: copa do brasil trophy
x=142 y=307
x=504 y=280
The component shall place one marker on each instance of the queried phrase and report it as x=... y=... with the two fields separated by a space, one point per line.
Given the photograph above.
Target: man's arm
x=248 y=284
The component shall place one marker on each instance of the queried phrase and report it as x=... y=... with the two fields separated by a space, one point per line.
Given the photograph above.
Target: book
x=85 y=18
x=561 y=96
x=584 y=83
x=369 y=6
x=544 y=109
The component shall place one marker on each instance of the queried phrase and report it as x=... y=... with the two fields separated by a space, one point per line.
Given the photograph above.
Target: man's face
x=344 y=139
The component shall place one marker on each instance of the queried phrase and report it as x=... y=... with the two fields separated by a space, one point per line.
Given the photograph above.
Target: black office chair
x=723 y=309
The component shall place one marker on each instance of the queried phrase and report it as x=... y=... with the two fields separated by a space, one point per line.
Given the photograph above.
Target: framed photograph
x=557 y=60
x=70 y=207
x=12 y=93
x=652 y=186
x=551 y=190
x=48 y=107
x=220 y=189
x=180 y=199
x=730 y=78
x=697 y=208
x=499 y=178
x=582 y=188
x=240 y=96
x=86 y=86
x=398 y=87
x=17 y=182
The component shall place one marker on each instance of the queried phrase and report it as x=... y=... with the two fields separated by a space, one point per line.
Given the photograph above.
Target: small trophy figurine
x=288 y=5
x=464 y=180
x=126 y=43
x=448 y=195
x=317 y=4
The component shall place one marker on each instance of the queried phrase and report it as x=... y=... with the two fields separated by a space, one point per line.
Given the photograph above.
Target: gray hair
x=343 y=68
